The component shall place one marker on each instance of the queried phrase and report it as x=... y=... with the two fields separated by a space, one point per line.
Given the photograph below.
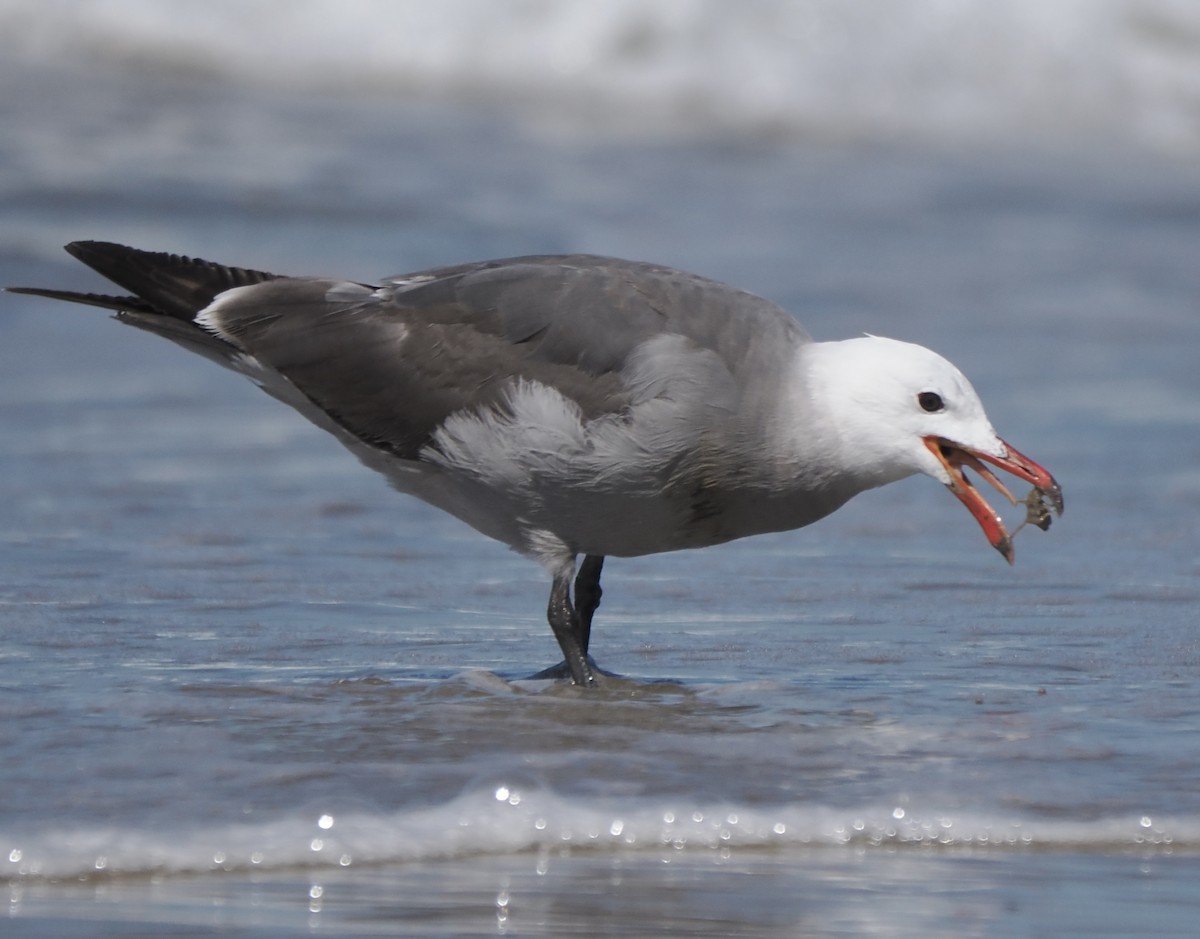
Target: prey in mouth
x=1043 y=502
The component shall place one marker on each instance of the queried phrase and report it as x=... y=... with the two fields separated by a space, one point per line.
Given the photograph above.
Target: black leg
x=587 y=596
x=565 y=623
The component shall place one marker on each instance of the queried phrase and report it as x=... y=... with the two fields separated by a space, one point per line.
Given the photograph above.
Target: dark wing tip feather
x=108 y=256
x=103 y=300
x=170 y=284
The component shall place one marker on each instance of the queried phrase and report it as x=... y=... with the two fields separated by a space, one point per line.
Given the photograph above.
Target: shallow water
x=246 y=689
x=810 y=892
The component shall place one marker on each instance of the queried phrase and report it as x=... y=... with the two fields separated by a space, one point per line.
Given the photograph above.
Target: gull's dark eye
x=931 y=401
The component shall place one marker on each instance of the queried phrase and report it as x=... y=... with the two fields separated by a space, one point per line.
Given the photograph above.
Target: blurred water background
x=247 y=690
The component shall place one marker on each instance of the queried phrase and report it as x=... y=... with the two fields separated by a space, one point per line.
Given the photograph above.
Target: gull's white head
x=889 y=409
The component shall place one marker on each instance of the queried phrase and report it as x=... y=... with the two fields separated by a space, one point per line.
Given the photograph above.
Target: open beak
x=1046 y=495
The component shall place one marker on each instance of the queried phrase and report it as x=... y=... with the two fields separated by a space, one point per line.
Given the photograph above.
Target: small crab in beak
x=1043 y=501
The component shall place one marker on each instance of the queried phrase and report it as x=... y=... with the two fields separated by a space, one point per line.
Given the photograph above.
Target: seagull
x=577 y=406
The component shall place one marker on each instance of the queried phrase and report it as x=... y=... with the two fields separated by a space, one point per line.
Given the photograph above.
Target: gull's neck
x=828 y=428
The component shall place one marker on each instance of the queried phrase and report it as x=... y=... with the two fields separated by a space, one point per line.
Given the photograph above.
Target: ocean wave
x=504 y=818
x=1113 y=71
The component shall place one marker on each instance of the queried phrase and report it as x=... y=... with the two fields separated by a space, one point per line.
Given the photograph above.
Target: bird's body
x=578 y=405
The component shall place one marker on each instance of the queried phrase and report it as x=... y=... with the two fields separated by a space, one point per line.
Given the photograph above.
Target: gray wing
x=389 y=362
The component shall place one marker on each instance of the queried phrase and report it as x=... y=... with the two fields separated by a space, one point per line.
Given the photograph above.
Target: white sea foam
x=1119 y=71
x=504 y=819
